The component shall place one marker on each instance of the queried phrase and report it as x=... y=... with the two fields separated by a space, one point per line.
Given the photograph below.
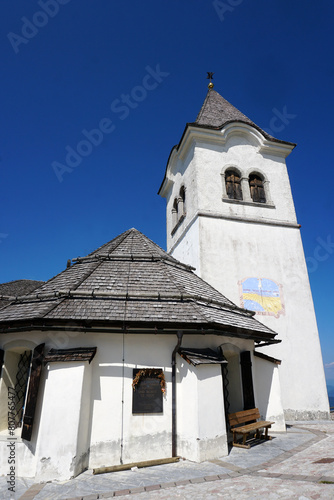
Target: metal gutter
x=174 y=414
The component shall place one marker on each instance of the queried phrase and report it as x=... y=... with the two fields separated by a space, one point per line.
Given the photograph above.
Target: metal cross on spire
x=210 y=77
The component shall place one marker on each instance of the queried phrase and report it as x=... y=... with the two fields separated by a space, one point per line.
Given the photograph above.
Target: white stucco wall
x=80 y=420
x=212 y=437
x=109 y=386
x=201 y=417
x=267 y=392
x=229 y=255
x=230 y=241
x=63 y=426
x=243 y=154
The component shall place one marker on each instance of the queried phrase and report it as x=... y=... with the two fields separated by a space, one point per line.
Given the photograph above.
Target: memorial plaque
x=147 y=396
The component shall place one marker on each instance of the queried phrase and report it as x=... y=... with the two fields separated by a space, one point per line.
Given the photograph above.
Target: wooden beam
x=147 y=463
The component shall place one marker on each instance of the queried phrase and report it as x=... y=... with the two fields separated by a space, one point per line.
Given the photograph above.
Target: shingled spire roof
x=131 y=284
x=217 y=111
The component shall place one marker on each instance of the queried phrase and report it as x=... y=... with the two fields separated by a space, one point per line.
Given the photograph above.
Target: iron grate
x=22 y=375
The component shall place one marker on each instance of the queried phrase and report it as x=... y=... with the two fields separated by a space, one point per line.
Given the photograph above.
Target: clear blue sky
x=62 y=77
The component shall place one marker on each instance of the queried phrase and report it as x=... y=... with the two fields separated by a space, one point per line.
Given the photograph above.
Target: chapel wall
x=80 y=420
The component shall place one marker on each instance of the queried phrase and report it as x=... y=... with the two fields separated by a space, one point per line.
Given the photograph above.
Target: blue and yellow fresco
x=262 y=295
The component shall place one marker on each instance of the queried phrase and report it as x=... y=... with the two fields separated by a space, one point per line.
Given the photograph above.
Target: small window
x=257 y=189
x=178 y=209
x=182 y=201
x=233 y=185
x=174 y=213
x=19 y=385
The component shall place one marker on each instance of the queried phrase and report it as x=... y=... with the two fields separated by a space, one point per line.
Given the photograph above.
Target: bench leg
x=266 y=435
x=238 y=445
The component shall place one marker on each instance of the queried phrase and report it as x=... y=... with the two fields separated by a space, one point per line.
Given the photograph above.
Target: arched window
x=257 y=188
x=175 y=205
x=233 y=185
x=175 y=212
x=179 y=209
x=182 y=201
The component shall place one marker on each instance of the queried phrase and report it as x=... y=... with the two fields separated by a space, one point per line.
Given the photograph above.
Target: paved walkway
x=297 y=464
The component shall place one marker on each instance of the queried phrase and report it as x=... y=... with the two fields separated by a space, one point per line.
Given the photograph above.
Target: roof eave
x=253 y=125
x=147 y=327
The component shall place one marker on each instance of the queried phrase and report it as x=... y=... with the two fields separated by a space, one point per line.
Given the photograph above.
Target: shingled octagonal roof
x=17 y=288
x=131 y=284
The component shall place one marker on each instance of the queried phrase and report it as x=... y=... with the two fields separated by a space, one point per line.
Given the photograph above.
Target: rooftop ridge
x=128 y=296
x=121 y=237
x=23 y=280
x=136 y=236
x=133 y=257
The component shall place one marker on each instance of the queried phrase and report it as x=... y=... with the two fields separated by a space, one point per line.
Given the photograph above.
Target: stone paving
x=296 y=464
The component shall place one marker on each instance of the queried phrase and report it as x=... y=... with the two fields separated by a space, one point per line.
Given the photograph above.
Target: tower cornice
x=194 y=133
x=233 y=218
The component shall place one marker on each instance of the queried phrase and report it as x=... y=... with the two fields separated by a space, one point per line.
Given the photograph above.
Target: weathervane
x=210 y=77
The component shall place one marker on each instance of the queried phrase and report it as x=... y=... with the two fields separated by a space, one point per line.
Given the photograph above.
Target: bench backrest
x=242 y=417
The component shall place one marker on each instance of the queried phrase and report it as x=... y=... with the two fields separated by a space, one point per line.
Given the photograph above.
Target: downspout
x=176 y=348
x=122 y=423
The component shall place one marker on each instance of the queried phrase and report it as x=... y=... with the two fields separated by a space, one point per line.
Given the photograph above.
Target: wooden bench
x=248 y=417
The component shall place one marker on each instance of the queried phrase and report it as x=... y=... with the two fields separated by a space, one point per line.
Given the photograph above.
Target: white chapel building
x=133 y=354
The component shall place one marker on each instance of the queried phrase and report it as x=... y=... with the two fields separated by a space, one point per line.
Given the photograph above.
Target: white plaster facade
x=228 y=241
x=80 y=421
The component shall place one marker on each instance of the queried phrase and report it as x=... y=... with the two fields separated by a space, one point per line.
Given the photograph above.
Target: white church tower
x=230 y=214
